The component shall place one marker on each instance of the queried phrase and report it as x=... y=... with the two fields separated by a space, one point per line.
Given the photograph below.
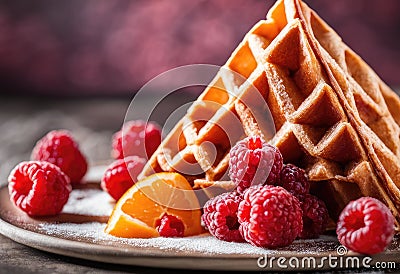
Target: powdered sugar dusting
x=90 y=202
x=91 y=232
x=92 y=206
x=206 y=244
x=94 y=233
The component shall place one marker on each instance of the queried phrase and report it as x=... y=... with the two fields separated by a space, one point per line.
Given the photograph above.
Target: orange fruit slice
x=137 y=212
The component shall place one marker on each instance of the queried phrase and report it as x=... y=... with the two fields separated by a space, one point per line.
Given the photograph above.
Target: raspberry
x=136 y=138
x=254 y=161
x=220 y=217
x=59 y=148
x=39 y=188
x=121 y=175
x=315 y=217
x=170 y=226
x=366 y=226
x=269 y=216
x=294 y=180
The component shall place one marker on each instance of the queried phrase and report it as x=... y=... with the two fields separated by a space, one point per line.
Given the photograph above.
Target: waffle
x=371 y=106
x=198 y=146
x=331 y=113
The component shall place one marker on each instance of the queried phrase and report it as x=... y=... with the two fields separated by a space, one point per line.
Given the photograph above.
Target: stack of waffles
x=293 y=81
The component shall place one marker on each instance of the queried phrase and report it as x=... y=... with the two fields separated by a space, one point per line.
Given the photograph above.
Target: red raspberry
x=254 y=161
x=220 y=217
x=366 y=226
x=294 y=180
x=121 y=175
x=39 y=188
x=269 y=216
x=315 y=217
x=58 y=147
x=136 y=138
x=170 y=226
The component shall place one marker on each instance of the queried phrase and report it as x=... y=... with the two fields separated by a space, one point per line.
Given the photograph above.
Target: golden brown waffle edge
x=333 y=116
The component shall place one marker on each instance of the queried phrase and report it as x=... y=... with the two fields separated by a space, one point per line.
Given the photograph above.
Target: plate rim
x=140 y=256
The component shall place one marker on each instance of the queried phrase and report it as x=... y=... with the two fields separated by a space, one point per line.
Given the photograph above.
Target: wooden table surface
x=17 y=258
x=92 y=122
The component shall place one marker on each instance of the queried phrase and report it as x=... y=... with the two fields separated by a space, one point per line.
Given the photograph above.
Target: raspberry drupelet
x=254 y=161
x=121 y=175
x=315 y=217
x=170 y=226
x=220 y=217
x=269 y=216
x=59 y=147
x=294 y=180
x=366 y=226
x=136 y=138
x=39 y=188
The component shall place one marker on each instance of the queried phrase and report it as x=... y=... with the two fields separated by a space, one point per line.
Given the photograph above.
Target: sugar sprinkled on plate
x=94 y=233
x=90 y=202
x=95 y=202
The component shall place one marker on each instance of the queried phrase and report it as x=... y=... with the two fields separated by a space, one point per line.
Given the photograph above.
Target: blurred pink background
x=112 y=47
